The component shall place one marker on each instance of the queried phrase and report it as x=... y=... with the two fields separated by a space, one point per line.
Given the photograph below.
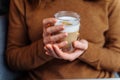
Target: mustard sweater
x=100 y=26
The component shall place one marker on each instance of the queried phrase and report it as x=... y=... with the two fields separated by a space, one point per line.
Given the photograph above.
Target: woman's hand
x=49 y=29
x=55 y=51
x=51 y=33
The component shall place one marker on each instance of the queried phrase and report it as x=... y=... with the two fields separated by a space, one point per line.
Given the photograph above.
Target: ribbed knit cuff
x=91 y=54
x=41 y=51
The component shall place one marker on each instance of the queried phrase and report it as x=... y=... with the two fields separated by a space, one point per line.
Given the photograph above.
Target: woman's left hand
x=55 y=51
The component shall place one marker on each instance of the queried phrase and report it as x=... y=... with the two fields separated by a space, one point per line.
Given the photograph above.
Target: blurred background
x=5 y=72
x=4 y=4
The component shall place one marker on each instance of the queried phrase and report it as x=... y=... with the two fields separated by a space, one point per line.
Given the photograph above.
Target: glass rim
x=67 y=13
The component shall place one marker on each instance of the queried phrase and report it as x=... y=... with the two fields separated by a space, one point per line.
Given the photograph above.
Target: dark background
x=4 y=5
x=5 y=72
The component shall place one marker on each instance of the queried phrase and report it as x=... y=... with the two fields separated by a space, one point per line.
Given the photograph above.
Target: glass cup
x=71 y=22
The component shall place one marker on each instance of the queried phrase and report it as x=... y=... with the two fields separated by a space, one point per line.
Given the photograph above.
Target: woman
x=32 y=47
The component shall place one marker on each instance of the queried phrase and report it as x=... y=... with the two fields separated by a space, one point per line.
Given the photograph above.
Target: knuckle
x=44 y=41
x=65 y=34
x=60 y=45
x=59 y=28
x=44 y=34
x=54 y=29
x=44 y=20
x=51 y=39
x=62 y=35
x=54 y=38
x=48 y=30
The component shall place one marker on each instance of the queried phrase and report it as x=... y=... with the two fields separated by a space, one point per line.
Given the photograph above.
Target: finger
x=54 y=29
x=63 y=55
x=80 y=45
x=47 y=53
x=62 y=44
x=58 y=37
x=58 y=51
x=45 y=33
x=46 y=40
x=77 y=53
x=77 y=44
x=45 y=48
x=51 y=51
x=74 y=55
x=54 y=38
x=48 y=21
x=67 y=56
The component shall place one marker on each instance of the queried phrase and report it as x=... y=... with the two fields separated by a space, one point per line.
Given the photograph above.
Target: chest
x=93 y=17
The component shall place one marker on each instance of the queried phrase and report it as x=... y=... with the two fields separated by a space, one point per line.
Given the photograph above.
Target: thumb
x=82 y=44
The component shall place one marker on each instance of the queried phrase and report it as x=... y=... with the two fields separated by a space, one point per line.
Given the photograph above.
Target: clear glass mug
x=71 y=22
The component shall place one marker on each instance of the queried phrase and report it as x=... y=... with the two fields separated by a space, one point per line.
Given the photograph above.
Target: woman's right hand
x=51 y=33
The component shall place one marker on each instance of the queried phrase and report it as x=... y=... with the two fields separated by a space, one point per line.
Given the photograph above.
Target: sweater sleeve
x=107 y=57
x=20 y=54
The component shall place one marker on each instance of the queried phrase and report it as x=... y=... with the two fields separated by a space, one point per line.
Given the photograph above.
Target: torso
x=94 y=23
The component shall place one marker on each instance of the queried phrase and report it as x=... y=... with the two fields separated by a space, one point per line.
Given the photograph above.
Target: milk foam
x=72 y=23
